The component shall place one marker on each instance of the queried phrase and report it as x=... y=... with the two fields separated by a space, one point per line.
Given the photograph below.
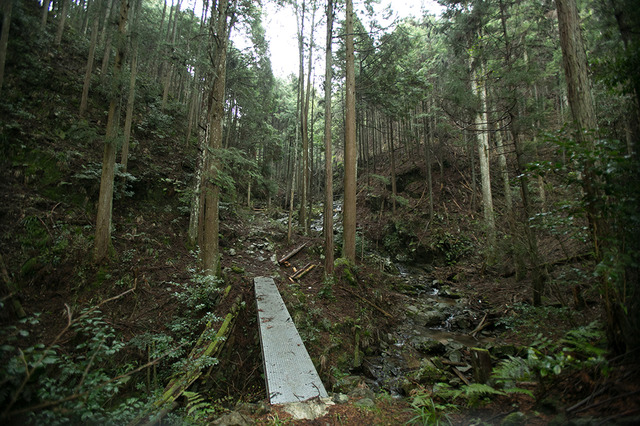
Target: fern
x=519 y=390
x=479 y=389
x=383 y=179
x=512 y=370
x=197 y=407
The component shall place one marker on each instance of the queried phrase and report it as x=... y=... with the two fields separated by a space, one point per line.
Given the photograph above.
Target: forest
x=448 y=204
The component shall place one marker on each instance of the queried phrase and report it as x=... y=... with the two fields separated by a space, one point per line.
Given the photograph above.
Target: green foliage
x=578 y=349
x=91 y=175
x=383 y=179
x=199 y=409
x=609 y=177
x=201 y=293
x=427 y=411
x=452 y=247
x=345 y=270
x=474 y=394
x=326 y=291
x=78 y=385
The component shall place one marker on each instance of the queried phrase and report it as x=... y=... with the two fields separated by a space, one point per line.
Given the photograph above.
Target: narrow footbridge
x=289 y=372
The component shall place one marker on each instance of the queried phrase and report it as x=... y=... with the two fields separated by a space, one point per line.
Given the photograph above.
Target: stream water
x=436 y=323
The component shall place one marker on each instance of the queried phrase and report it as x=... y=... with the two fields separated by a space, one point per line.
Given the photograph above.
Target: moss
x=31 y=266
x=345 y=270
x=237 y=269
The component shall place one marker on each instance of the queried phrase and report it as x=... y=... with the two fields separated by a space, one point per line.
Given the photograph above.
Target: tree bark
x=306 y=179
x=428 y=138
x=45 y=14
x=481 y=121
x=349 y=208
x=620 y=333
x=124 y=158
x=302 y=213
x=87 y=75
x=7 y=5
x=392 y=154
x=63 y=19
x=328 y=169
x=105 y=201
x=221 y=23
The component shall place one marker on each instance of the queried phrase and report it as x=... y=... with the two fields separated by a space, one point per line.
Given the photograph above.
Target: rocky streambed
x=434 y=340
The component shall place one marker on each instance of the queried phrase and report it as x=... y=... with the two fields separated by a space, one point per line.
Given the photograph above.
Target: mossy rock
x=428 y=373
x=431 y=346
x=345 y=271
x=514 y=419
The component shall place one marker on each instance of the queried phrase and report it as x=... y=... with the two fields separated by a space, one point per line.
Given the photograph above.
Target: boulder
x=430 y=346
x=233 y=418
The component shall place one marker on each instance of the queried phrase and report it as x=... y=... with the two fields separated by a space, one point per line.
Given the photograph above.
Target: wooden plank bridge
x=290 y=375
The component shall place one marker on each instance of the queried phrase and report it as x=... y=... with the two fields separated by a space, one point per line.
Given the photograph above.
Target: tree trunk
x=302 y=214
x=87 y=75
x=7 y=5
x=349 y=208
x=105 y=201
x=306 y=178
x=392 y=154
x=428 y=138
x=481 y=122
x=105 y=24
x=504 y=172
x=222 y=24
x=124 y=158
x=574 y=61
x=63 y=19
x=45 y=14
x=328 y=169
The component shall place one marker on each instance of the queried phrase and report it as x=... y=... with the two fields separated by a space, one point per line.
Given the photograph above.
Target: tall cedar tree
x=349 y=209
x=105 y=200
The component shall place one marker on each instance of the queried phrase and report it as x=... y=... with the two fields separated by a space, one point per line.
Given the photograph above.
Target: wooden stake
x=481 y=363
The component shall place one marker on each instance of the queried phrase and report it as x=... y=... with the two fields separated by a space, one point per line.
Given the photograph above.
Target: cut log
x=291 y=254
x=302 y=272
x=481 y=363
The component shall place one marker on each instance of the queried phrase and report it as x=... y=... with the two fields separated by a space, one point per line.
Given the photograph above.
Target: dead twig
x=385 y=313
x=480 y=326
x=460 y=375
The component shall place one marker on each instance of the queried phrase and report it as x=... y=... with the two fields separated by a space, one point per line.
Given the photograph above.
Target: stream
x=436 y=326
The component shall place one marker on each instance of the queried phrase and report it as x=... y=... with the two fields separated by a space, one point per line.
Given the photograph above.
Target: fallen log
x=480 y=326
x=206 y=347
x=460 y=375
x=291 y=254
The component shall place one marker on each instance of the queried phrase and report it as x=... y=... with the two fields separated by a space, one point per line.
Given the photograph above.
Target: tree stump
x=481 y=363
